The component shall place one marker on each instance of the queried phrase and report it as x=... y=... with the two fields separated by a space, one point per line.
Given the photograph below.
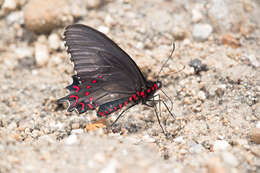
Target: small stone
x=253 y=60
x=23 y=124
x=103 y=29
x=41 y=54
x=197 y=148
x=94 y=3
x=214 y=166
x=9 y=5
x=221 y=145
x=72 y=139
x=100 y=157
x=148 y=139
x=178 y=33
x=22 y=52
x=44 y=16
x=111 y=167
x=201 y=32
x=179 y=140
x=230 y=40
x=54 y=41
x=15 y=17
x=196 y=16
x=258 y=123
x=230 y=159
x=77 y=131
x=255 y=135
x=75 y=126
x=202 y=96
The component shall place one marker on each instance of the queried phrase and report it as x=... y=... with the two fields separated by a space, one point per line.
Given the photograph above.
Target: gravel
x=217 y=111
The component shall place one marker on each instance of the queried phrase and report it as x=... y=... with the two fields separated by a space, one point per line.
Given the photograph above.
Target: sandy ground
x=217 y=126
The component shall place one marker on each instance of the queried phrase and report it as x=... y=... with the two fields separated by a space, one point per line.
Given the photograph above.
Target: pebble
x=178 y=33
x=44 y=16
x=253 y=60
x=197 y=148
x=179 y=140
x=196 y=16
x=94 y=3
x=9 y=5
x=77 y=131
x=215 y=166
x=217 y=90
x=202 y=95
x=230 y=40
x=221 y=145
x=258 y=123
x=54 y=41
x=255 y=135
x=41 y=54
x=22 y=52
x=15 y=17
x=230 y=159
x=103 y=29
x=201 y=32
x=111 y=167
x=72 y=139
x=148 y=139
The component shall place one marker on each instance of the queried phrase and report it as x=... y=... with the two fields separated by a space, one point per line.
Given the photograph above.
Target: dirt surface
x=216 y=103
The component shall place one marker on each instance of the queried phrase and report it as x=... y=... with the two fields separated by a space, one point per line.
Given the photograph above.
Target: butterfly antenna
x=166 y=61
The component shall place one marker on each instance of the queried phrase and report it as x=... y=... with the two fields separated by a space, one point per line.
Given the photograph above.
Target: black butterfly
x=106 y=77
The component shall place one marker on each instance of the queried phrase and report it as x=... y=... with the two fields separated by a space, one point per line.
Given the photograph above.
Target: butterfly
x=107 y=78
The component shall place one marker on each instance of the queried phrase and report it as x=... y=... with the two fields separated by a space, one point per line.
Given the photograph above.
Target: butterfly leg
x=121 y=115
x=159 y=121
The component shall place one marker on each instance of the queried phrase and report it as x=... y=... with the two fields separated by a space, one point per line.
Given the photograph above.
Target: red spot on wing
x=76 y=87
x=76 y=97
x=88 y=86
x=87 y=93
x=130 y=99
x=120 y=106
x=82 y=106
x=110 y=110
x=149 y=90
x=91 y=99
x=94 y=81
x=138 y=93
x=99 y=76
x=142 y=93
x=152 y=88
x=90 y=106
x=115 y=108
x=106 y=112
x=155 y=85
x=134 y=96
x=126 y=103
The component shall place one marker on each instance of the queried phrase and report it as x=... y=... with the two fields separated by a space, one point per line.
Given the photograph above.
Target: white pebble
x=72 y=139
x=77 y=131
x=148 y=139
x=110 y=167
x=9 y=5
x=179 y=140
x=258 y=124
x=230 y=159
x=54 y=41
x=103 y=29
x=196 y=16
x=41 y=54
x=202 y=96
x=201 y=32
x=220 y=145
